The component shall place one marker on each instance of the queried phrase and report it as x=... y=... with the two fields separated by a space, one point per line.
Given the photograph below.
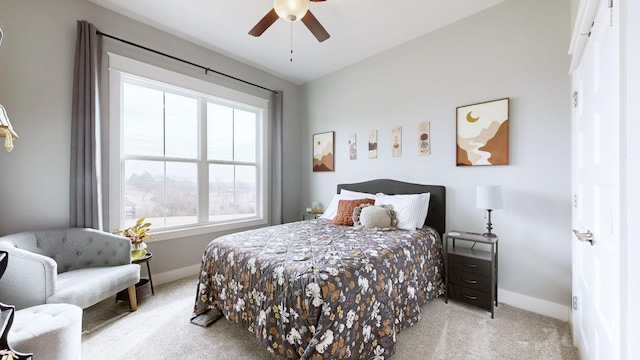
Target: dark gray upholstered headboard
x=436 y=217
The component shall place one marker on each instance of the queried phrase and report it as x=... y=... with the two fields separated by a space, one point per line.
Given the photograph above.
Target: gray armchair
x=75 y=265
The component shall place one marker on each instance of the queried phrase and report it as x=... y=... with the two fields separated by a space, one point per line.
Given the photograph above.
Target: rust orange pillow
x=344 y=216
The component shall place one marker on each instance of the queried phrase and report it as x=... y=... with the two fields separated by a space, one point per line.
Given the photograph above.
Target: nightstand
x=311 y=216
x=471 y=273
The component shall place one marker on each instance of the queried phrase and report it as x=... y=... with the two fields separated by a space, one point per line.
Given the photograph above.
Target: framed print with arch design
x=482 y=133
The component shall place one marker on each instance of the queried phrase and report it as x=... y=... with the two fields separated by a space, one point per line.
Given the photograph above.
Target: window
x=186 y=154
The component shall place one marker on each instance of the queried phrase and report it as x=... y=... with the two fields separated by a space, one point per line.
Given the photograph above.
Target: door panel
x=596 y=268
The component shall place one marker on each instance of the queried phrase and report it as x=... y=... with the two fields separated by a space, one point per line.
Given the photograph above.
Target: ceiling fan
x=291 y=10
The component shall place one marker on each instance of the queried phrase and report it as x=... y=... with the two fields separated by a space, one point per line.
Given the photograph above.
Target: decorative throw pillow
x=379 y=217
x=344 y=216
x=332 y=209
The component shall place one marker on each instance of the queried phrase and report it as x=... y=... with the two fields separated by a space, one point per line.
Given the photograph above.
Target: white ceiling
x=358 y=29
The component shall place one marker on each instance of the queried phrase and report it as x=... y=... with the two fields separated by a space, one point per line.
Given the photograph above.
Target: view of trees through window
x=188 y=159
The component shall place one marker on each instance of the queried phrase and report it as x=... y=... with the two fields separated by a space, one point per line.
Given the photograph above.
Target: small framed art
x=353 y=147
x=373 y=144
x=424 y=139
x=323 y=151
x=396 y=141
x=482 y=133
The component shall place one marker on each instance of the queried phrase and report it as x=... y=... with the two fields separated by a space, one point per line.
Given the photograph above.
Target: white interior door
x=596 y=264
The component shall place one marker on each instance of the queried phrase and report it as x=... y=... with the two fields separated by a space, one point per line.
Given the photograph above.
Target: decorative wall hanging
x=323 y=151
x=373 y=144
x=483 y=133
x=396 y=141
x=424 y=138
x=353 y=147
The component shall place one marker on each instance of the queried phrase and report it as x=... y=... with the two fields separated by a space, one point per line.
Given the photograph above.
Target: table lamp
x=6 y=130
x=489 y=198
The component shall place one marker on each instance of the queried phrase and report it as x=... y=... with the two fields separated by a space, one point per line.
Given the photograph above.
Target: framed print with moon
x=482 y=132
x=323 y=151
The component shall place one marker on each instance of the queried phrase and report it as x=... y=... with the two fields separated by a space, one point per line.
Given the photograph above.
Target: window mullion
x=233 y=160
x=164 y=155
x=203 y=166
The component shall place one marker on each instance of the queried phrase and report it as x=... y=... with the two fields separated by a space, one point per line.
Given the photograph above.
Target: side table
x=471 y=275
x=142 y=287
x=145 y=259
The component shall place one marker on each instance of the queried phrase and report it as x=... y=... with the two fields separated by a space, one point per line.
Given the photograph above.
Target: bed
x=314 y=290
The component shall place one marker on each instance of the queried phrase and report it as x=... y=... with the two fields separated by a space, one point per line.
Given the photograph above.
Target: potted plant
x=137 y=233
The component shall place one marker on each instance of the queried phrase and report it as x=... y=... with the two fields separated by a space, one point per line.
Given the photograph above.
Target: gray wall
x=517 y=49
x=36 y=74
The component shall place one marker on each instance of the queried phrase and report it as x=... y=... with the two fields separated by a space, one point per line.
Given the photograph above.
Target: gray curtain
x=85 y=208
x=276 y=167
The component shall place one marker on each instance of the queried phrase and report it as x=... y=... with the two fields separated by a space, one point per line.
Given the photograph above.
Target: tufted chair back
x=73 y=248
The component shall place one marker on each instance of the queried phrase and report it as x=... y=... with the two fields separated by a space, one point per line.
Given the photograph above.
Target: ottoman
x=50 y=332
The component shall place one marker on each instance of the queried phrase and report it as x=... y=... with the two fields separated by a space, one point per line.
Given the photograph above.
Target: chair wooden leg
x=133 y=301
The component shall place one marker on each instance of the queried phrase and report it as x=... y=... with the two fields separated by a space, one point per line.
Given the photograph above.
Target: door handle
x=585 y=236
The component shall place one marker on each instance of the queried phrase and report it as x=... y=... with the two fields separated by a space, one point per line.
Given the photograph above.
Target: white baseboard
x=173 y=275
x=535 y=305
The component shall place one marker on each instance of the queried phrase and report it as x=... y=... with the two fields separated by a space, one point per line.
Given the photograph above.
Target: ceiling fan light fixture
x=291 y=10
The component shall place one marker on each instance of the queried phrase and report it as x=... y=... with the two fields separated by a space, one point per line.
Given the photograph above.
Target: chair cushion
x=50 y=332
x=85 y=287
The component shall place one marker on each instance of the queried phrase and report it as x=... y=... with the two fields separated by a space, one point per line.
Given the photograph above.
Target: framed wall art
x=396 y=141
x=424 y=138
x=482 y=133
x=323 y=151
x=373 y=144
x=353 y=147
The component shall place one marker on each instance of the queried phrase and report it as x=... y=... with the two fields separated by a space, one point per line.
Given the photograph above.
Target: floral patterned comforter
x=313 y=290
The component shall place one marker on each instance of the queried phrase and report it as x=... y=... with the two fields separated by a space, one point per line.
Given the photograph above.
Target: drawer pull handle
x=469 y=265
x=469 y=281
x=470 y=297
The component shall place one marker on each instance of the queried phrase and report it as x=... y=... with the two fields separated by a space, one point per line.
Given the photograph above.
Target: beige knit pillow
x=378 y=217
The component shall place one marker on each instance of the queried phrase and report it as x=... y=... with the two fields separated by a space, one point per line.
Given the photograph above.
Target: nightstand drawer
x=470 y=296
x=470 y=280
x=311 y=216
x=476 y=266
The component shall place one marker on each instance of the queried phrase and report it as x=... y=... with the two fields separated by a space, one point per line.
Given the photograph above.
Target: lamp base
x=489 y=227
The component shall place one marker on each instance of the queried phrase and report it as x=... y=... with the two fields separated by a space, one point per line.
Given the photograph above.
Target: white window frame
x=119 y=67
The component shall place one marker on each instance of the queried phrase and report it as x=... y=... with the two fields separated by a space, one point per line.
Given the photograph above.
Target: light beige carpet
x=161 y=329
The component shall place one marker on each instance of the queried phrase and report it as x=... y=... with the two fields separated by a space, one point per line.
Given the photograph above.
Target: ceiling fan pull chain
x=291 y=54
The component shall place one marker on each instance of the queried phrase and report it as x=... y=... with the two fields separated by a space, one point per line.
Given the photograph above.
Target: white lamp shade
x=489 y=197
x=291 y=10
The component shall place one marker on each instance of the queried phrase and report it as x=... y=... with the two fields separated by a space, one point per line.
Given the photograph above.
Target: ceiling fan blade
x=318 y=0
x=315 y=27
x=264 y=24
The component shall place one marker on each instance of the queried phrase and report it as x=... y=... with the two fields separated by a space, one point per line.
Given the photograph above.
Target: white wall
x=517 y=49
x=36 y=74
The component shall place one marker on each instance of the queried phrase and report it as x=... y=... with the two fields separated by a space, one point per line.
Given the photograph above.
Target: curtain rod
x=206 y=69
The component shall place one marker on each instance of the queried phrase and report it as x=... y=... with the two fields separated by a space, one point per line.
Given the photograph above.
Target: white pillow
x=411 y=209
x=358 y=195
x=332 y=209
